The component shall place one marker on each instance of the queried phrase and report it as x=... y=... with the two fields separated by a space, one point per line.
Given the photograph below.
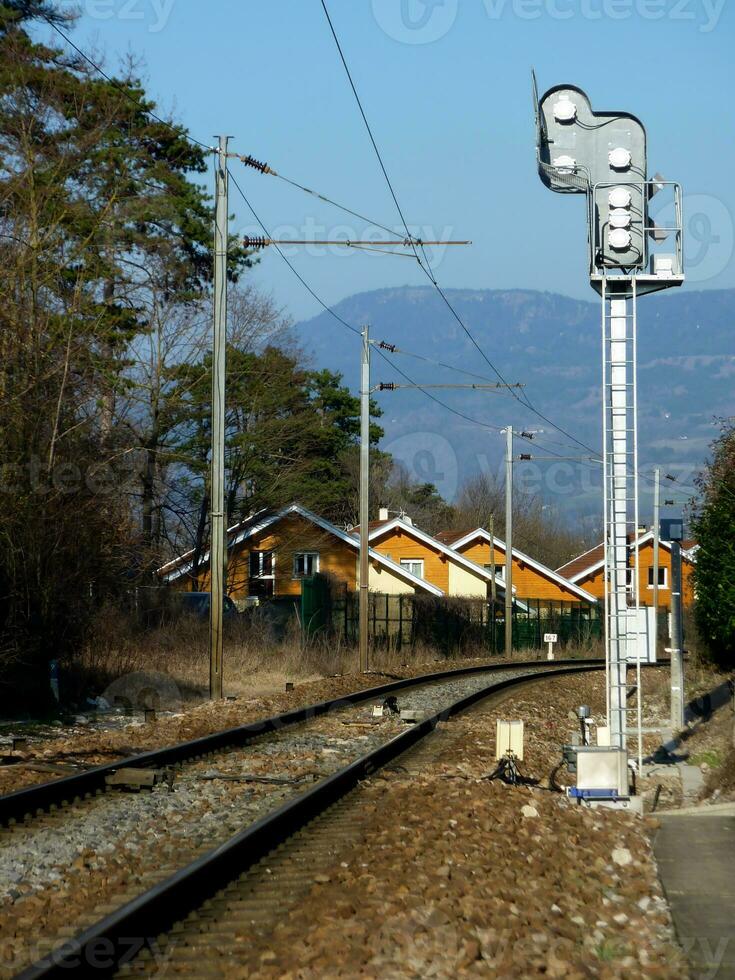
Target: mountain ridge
x=551 y=343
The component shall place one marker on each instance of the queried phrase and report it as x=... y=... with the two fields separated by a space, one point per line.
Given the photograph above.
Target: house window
x=499 y=570
x=305 y=563
x=261 y=564
x=663 y=578
x=413 y=565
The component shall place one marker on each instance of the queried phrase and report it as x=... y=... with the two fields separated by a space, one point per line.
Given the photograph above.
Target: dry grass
x=257 y=662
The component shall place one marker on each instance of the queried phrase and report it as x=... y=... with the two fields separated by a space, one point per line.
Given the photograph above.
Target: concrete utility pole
x=364 y=497
x=656 y=541
x=509 y=541
x=217 y=555
x=677 y=641
x=493 y=584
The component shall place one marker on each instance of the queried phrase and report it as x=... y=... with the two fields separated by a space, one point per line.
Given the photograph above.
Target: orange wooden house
x=270 y=554
x=588 y=570
x=531 y=579
x=432 y=559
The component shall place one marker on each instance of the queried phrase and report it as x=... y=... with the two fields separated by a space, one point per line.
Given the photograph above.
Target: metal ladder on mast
x=620 y=476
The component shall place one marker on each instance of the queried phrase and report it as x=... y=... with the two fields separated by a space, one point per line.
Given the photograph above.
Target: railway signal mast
x=602 y=155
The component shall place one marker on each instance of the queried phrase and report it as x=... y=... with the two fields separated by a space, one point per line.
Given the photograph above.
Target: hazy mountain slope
x=551 y=343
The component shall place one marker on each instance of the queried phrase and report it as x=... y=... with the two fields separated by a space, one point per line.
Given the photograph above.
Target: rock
x=622 y=856
x=621 y=918
x=644 y=903
x=529 y=811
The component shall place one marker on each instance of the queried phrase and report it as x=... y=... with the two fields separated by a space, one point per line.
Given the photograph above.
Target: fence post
x=400 y=623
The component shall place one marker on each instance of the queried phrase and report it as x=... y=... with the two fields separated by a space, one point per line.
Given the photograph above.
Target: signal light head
x=565 y=164
x=565 y=110
x=619 y=218
x=619 y=239
x=619 y=197
x=620 y=158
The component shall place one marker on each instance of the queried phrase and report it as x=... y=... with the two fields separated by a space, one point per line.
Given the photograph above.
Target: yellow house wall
x=384 y=580
x=289 y=536
x=595 y=583
x=465 y=583
x=528 y=583
x=396 y=545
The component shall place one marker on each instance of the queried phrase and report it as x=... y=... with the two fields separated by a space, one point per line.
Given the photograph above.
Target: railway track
x=24 y=805
x=178 y=911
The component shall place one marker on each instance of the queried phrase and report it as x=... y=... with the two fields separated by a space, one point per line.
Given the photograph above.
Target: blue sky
x=446 y=85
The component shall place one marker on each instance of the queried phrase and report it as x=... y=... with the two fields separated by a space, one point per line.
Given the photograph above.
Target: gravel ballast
x=91 y=741
x=69 y=865
x=453 y=875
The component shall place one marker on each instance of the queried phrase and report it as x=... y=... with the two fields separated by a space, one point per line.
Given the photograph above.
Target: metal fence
x=448 y=625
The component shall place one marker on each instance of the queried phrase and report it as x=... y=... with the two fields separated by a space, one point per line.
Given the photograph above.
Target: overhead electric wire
x=336 y=204
x=393 y=349
x=411 y=239
x=427 y=269
x=116 y=85
x=328 y=309
x=291 y=266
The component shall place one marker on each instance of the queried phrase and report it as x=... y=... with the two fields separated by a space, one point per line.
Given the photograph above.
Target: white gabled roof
x=527 y=560
x=179 y=567
x=688 y=553
x=412 y=531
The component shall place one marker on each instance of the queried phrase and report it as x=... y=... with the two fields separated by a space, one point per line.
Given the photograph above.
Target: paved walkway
x=695 y=850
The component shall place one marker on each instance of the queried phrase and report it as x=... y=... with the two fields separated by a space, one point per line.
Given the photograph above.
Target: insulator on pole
x=387 y=386
x=256 y=164
x=254 y=242
x=383 y=345
x=525 y=456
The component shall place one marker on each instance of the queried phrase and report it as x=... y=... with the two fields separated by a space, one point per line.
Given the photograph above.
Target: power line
x=291 y=266
x=116 y=85
x=328 y=309
x=393 y=349
x=410 y=239
x=369 y=130
x=427 y=269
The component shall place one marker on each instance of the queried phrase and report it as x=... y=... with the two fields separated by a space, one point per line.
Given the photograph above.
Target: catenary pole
x=493 y=585
x=217 y=478
x=656 y=542
x=677 y=641
x=509 y=541
x=364 y=497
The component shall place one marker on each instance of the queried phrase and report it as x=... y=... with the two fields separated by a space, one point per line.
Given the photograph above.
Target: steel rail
x=114 y=940
x=34 y=800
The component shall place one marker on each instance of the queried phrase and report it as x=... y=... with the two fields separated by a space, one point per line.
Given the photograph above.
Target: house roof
x=587 y=560
x=431 y=541
x=238 y=533
x=592 y=560
x=449 y=537
x=460 y=539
